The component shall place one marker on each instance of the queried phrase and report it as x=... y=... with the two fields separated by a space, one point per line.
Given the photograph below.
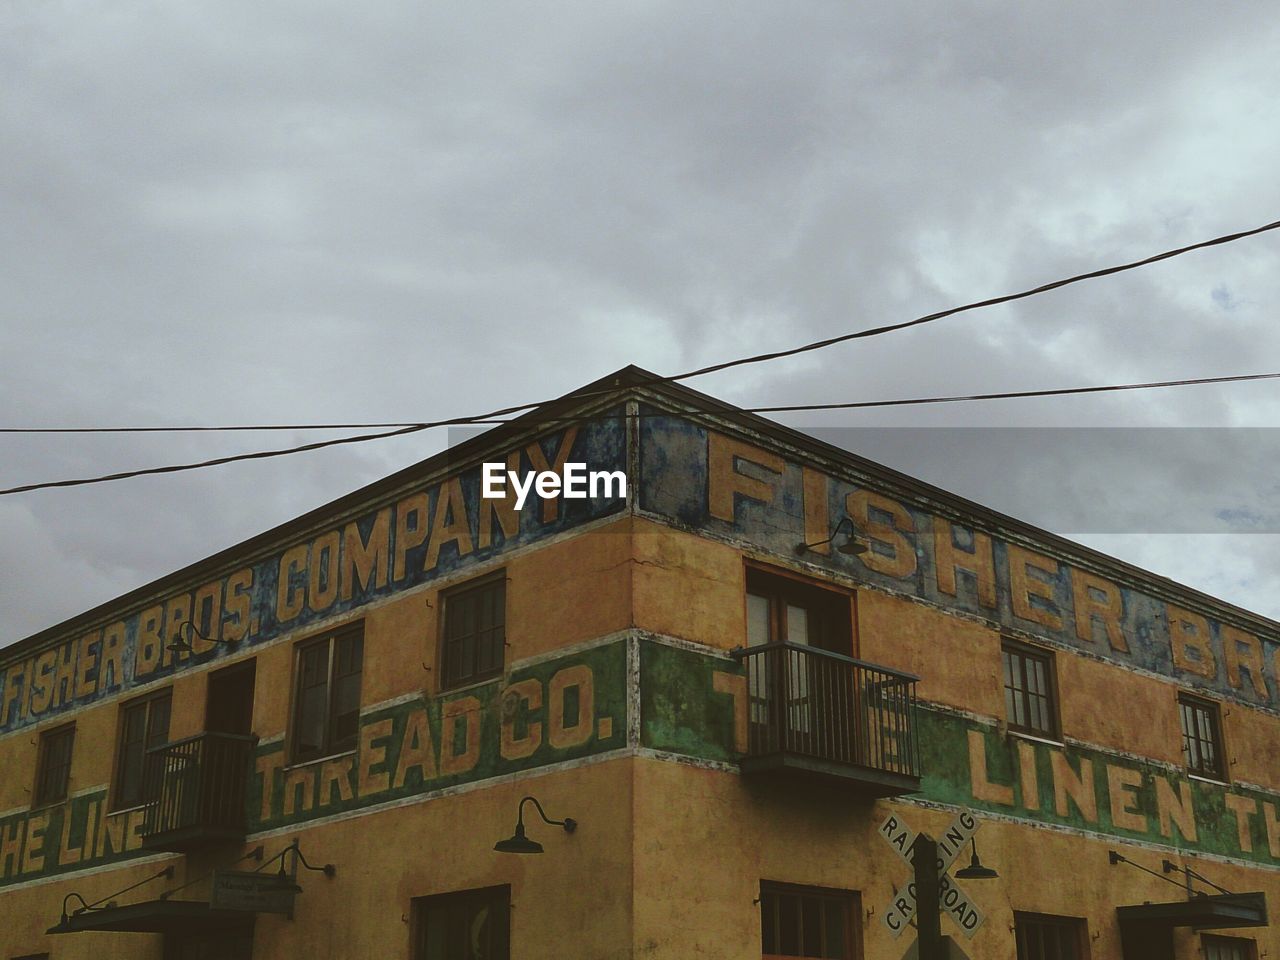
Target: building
x=749 y=681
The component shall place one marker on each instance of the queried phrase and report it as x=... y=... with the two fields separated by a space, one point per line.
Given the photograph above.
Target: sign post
x=945 y=895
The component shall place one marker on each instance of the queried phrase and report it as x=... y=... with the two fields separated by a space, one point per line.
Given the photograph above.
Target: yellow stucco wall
x=669 y=857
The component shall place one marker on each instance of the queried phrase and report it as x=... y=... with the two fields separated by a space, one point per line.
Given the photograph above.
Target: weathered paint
x=443 y=527
x=550 y=712
x=706 y=481
x=967 y=763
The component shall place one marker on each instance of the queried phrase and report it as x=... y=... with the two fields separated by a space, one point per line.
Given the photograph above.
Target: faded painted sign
x=551 y=712
x=705 y=480
x=970 y=764
x=442 y=527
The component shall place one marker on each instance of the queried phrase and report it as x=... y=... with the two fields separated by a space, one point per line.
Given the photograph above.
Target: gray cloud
x=240 y=214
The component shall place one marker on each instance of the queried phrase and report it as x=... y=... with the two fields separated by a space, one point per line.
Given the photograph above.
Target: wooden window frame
x=1188 y=702
x=1249 y=945
x=1076 y=927
x=834 y=605
x=450 y=597
x=119 y=802
x=849 y=900
x=329 y=747
x=499 y=894
x=39 y=798
x=1009 y=647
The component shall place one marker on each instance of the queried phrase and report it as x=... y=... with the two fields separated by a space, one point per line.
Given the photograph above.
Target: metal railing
x=196 y=787
x=818 y=704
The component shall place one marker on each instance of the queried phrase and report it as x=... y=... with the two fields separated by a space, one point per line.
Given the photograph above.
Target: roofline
x=601 y=391
x=633 y=381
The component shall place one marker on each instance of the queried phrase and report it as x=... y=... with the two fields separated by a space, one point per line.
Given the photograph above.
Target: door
x=230 y=704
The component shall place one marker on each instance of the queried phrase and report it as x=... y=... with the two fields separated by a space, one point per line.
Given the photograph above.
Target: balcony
x=197 y=790
x=816 y=713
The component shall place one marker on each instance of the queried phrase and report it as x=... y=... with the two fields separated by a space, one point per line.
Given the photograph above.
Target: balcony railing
x=816 y=712
x=196 y=791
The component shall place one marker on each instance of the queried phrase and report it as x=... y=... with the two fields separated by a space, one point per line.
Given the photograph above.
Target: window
x=1030 y=689
x=475 y=631
x=1042 y=937
x=326 y=715
x=782 y=608
x=53 y=765
x=807 y=922
x=471 y=925
x=1228 y=948
x=144 y=724
x=1201 y=736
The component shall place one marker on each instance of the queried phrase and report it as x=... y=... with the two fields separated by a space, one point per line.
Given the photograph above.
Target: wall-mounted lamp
x=975 y=870
x=851 y=547
x=519 y=843
x=180 y=645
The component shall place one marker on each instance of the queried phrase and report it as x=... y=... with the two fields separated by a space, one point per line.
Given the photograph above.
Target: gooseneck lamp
x=519 y=843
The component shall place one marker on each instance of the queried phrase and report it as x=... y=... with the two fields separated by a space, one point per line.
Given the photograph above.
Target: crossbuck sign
x=952 y=900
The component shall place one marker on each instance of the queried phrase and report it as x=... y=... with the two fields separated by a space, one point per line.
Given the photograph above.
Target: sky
x=300 y=213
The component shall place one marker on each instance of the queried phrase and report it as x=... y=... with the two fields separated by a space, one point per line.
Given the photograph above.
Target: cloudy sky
x=234 y=213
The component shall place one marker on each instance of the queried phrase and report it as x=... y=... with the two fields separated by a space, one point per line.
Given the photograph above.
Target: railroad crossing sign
x=952 y=899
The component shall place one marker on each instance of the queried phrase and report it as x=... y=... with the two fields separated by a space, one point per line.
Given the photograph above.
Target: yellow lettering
x=416 y=749
x=1175 y=809
x=1023 y=587
x=1189 y=634
x=42 y=682
x=528 y=692
x=239 y=599
x=336 y=771
x=66 y=852
x=1242 y=649
x=64 y=675
x=1273 y=829
x=948 y=558
x=725 y=483
x=299 y=789
x=980 y=786
x=150 y=642
x=503 y=510
x=33 y=853
x=111 y=669
x=206 y=614
x=538 y=461
x=371 y=755
x=817 y=518
x=464 y=710
x=560 y=735
x=1099 y=602
x=365 y=562
x=1244 y=809
x=288 y=602
x=267 y=766
x=449 y=524
x=11 y=846
x=177 y=612
x=1078 y=788
x=901 y=562
x=1027 y=776
x=1122 y=787
x=86 y=677
x=322 y=587
x=409 y=535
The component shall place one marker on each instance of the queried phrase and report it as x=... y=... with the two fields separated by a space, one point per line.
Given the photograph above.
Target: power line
x=701 y=371
x=409 y=426
x=688 y=375
x=468 y=421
